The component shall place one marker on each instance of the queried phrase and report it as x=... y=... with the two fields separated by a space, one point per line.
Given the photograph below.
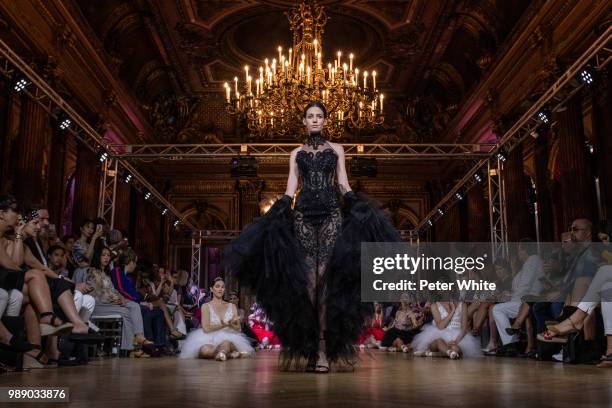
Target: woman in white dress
x=220 y=336
x=447 y=333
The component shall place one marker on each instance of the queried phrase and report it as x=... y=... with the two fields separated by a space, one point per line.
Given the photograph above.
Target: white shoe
x=558 y=357
x=221 y=356
x=234 y=354
x=453 y=355
x=392 y=349
x=244 y=354
x=405 y=349
x=428 y=353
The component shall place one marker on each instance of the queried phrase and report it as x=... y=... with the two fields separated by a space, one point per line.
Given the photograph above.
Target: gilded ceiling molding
x=203 y=187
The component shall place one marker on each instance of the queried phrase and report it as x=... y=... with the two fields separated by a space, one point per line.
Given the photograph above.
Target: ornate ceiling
x=174 y=55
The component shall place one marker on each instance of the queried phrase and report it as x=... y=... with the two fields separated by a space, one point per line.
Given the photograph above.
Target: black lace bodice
x=319 y=194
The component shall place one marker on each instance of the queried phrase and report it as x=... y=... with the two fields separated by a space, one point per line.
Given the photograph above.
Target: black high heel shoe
x=17 y=344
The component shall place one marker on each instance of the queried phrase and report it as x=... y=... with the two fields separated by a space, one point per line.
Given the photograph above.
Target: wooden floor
x=381 y=379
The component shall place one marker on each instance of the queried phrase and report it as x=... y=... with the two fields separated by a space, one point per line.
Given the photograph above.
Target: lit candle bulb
x=356 y=80
x=227 y=92
x=257 y=86
x=261 y=75
x=329 y=71
x=351 y=62
x=290 y=53
x=381 y=102
x=365 y=80
x=339 y=60
x=315 y=46
x=286 y=69
x=280 y=52
x=246 y=72
x=250 y=90
x=374 y=80
x=344 y=67
x=236 y=85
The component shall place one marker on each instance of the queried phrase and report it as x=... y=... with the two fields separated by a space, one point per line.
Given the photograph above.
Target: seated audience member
x=373 y=332
x=262 y=328
x=83 y=248
x=110 y=301
x=220 y=336
x=448 y=333
x=599 y=291
x=525 y=283
x=71 y=263
x=404 y=327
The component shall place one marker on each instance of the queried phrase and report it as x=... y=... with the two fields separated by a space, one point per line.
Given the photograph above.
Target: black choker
x=315 y=140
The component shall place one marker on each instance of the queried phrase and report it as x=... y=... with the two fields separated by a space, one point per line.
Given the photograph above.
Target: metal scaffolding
x=497 y=209
x=596 y=57
x=108 y=191
x=196 y=256
x=442 y=151
x=30 y=83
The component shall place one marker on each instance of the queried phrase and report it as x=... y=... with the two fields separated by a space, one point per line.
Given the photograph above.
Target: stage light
x=102 y=155
x=543 y=116
x=128 y=178
x=176 y=223
x=589 y=147
x=164 y=211
x=147 y=195
x=501 y=155
x=460 y=195
x=65 y=124
x=430 y=223
x=21 y=84
x=586 y=76
x=440 y=211
x=478 y=176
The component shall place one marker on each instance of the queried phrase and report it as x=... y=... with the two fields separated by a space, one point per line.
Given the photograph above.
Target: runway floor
x=381 y=379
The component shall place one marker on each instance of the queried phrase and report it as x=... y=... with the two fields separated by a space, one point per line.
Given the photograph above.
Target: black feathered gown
x=303 y=265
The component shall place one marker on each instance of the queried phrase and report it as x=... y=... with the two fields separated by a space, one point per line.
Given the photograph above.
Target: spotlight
x=164 y=211
x=65 y=124
x=586 y=76
x=147 y=195
x=440 y=211
x=589 y=147
x=128 y=178
x=176 y=223
x=102 y=155
x=501 y=155
x=478 y=176
x=544 y=116
x=459 y=196
x=430 y=223
x=21 y=84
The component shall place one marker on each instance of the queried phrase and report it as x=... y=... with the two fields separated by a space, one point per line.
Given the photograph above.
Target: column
x=520 y=220
x=32 y=152
x=577 y=186
x=87 y=185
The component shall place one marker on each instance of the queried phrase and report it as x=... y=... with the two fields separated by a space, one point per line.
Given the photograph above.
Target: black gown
x=303 y=265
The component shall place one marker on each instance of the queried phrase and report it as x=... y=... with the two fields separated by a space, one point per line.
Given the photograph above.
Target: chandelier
x=272 y=99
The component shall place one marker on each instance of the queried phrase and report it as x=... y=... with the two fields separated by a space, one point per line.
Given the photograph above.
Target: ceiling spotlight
x=128 y=178
x=586 y=76
x=478 y=177
x=65 y=124
x=21 y=84
x=429 y=222
x=164 y=211
x=176 y=223
x=147 y=195
x=589 y=147
x=543 y=116
x=501 y=155
x=459 y=195
x=440 y=211
x=102 y=155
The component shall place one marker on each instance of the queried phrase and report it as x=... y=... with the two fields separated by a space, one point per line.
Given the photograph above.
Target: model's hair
x=316 y=104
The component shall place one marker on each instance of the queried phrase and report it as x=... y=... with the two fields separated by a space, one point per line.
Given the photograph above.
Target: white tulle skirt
x=198 y=338
x=469 y=345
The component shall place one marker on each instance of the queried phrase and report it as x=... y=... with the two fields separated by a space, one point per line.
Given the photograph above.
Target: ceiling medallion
x=272 y=98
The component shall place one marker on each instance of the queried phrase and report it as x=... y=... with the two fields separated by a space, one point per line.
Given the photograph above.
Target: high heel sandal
x=17 y=344
x=51 y=329
x=554 y=335
x=321 y=368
